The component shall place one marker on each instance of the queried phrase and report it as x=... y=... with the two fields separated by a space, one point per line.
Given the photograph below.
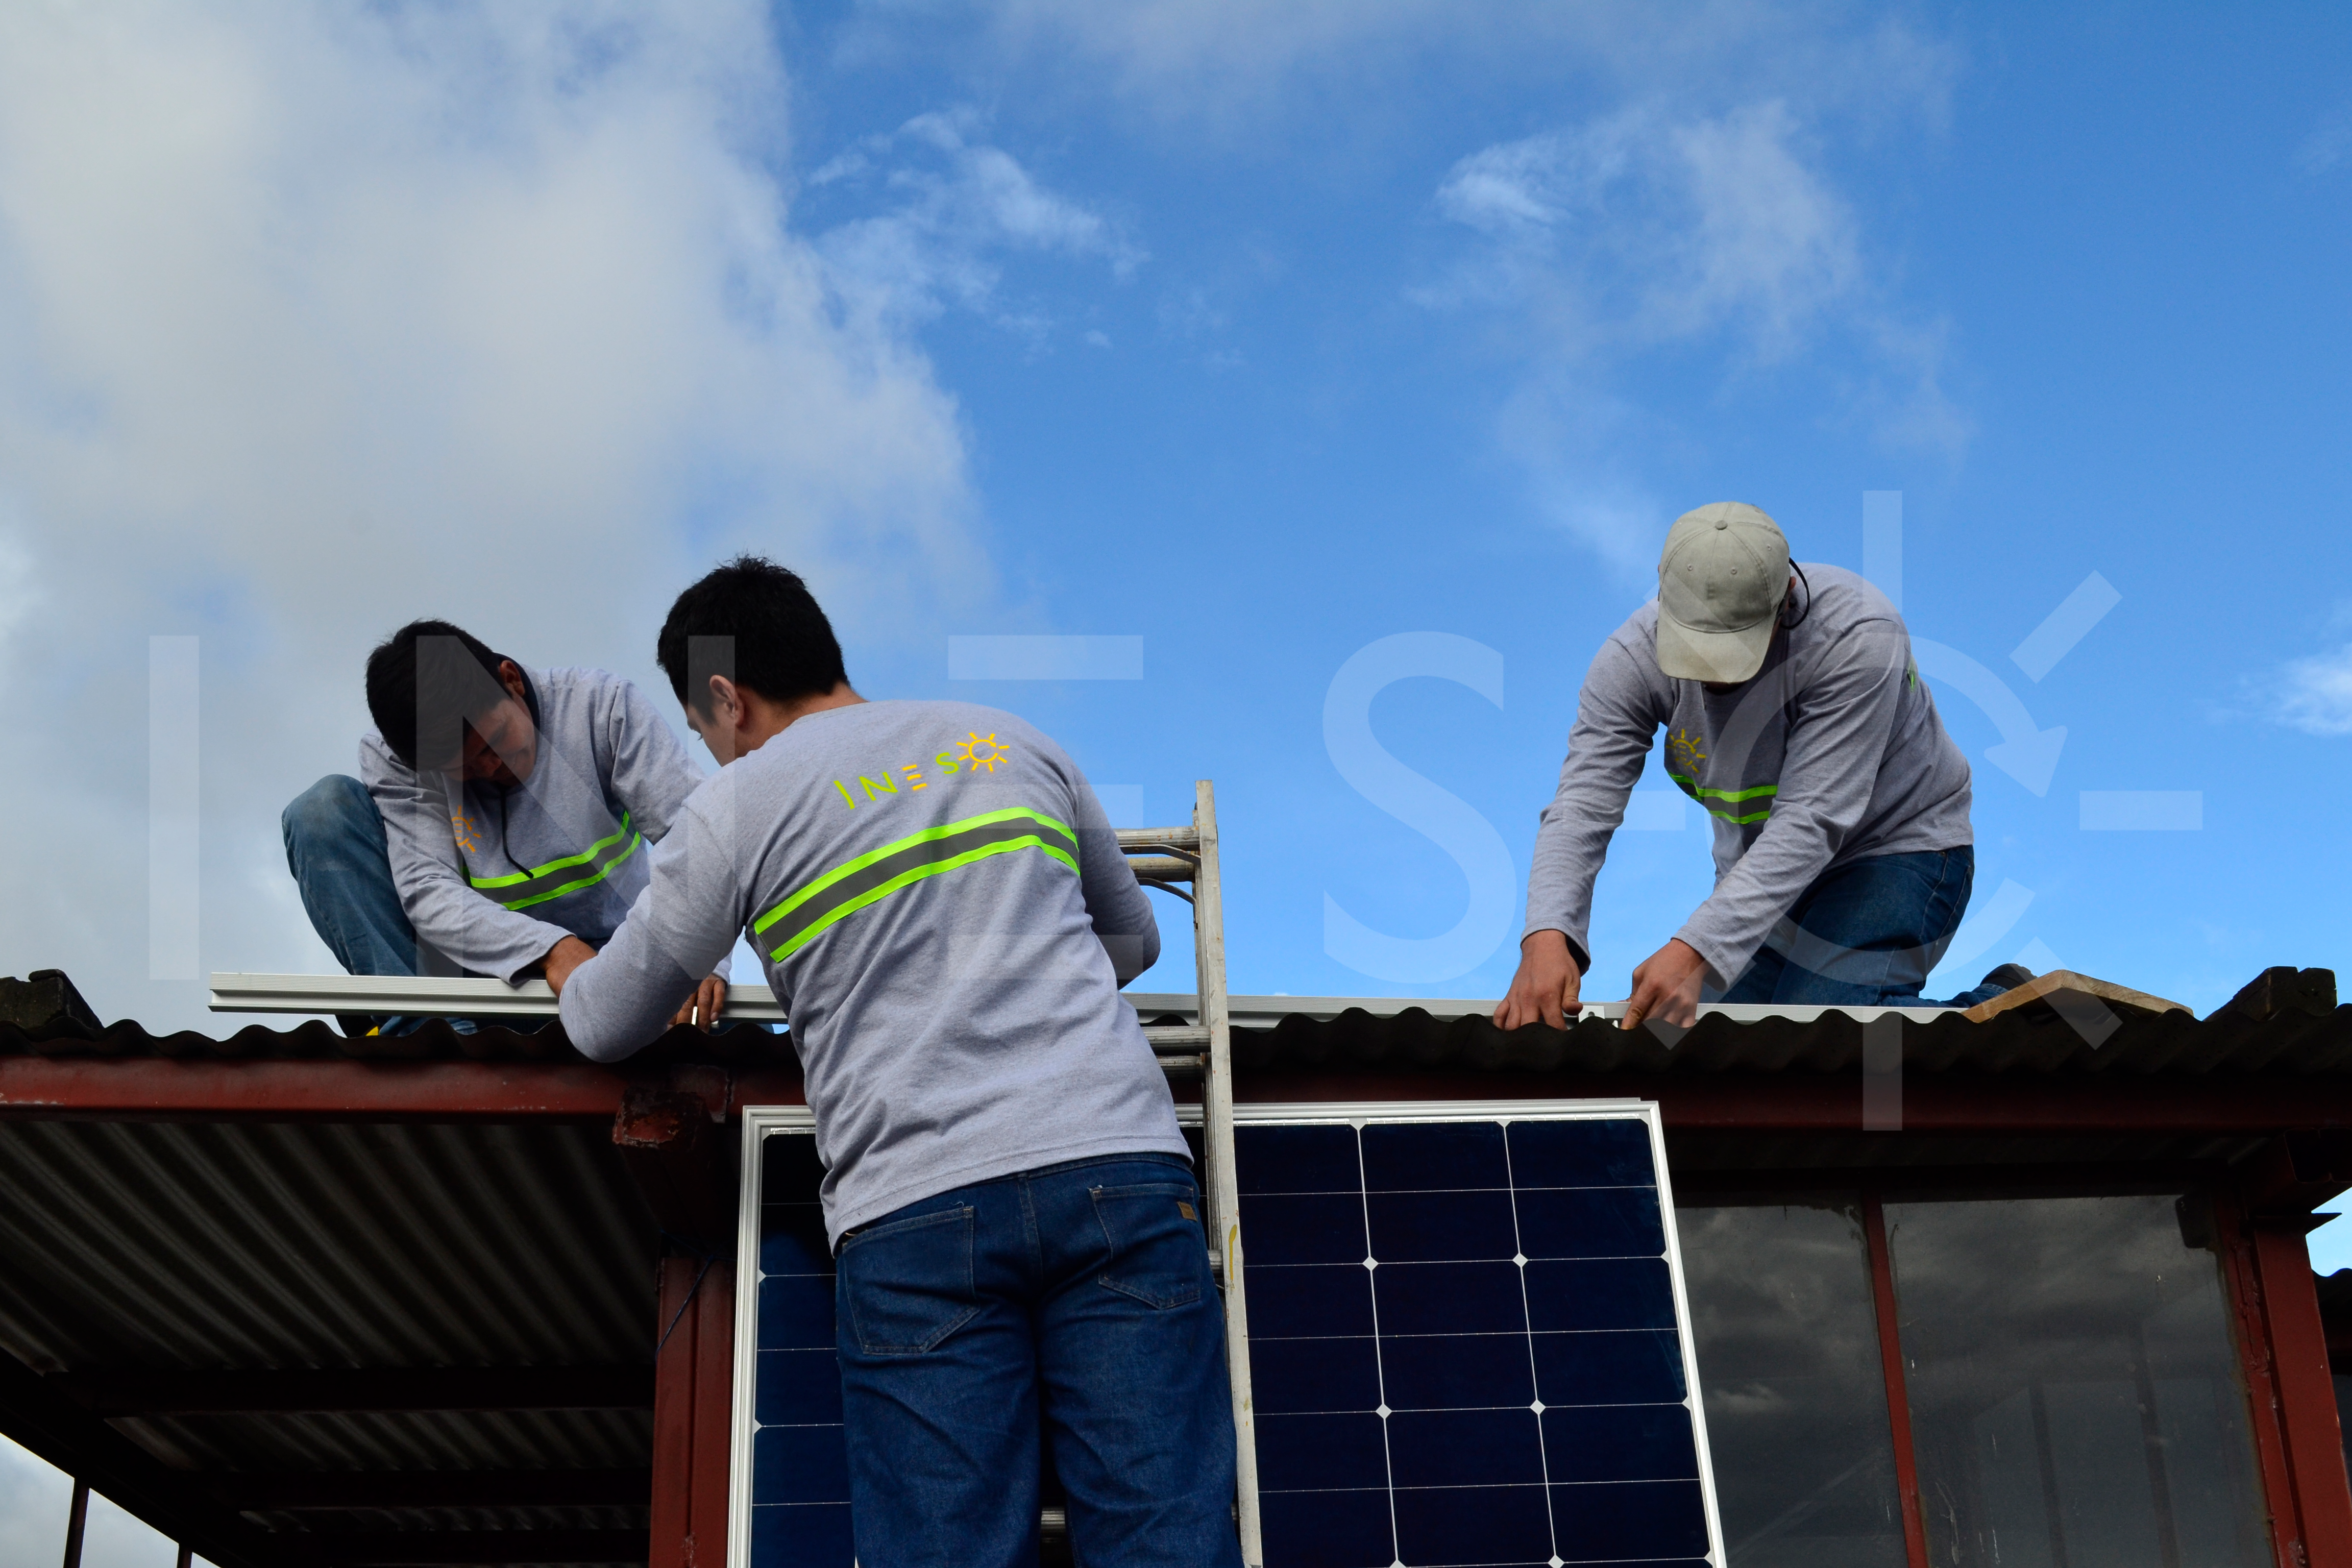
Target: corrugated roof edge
x=2286 y=1020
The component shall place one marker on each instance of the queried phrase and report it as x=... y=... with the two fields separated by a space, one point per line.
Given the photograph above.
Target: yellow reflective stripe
x=529 y=888
x=907 y=879
x=579 y=859
x=929 y=835
x=878 y=873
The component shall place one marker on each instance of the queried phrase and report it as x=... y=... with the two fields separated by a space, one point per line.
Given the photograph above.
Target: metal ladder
x=1167 y=858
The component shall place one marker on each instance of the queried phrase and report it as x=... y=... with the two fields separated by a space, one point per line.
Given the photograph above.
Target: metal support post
x=77 y=1520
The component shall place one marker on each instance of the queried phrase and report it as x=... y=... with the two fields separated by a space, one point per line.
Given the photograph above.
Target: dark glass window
x=1796 y=1398
x=2075 y=1392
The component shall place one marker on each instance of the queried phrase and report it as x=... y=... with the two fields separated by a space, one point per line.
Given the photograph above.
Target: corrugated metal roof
x=2294 y=1025
x=153 y=1247
x=2030 y=1040
x=230 y=1245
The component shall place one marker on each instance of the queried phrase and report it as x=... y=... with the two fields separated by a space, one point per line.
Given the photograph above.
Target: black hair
x=425 y=679
x=755 y=623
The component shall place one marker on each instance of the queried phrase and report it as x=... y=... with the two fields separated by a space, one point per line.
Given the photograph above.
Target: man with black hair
x=944 y=912
x=497 y=822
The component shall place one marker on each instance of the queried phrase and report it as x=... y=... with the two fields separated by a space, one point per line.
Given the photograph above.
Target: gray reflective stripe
x=878 y=873
x=523 y=888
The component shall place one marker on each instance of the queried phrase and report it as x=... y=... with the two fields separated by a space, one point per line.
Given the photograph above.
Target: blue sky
x=1262 y=334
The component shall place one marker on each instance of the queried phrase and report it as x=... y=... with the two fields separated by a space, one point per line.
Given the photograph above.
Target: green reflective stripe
x=878 y=873
x=520 y=889
x=1701 y=793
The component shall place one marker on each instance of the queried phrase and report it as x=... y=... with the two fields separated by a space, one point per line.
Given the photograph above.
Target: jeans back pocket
x=908 y=1284
x=1159 y=1254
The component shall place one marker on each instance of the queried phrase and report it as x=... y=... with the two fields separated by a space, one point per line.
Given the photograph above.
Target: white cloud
x=949 y=219
x=1642 y=227
x=1648 y=229
x=2329 y=143
x=1229 y=66
x=2314 y=695
x=315 y=319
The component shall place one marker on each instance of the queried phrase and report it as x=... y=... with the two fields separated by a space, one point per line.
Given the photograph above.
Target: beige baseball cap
x=1721 y=580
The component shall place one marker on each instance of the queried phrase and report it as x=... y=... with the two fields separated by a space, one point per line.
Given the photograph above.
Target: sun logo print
x=980 y=750
x=468 y=835
x=1683 y=755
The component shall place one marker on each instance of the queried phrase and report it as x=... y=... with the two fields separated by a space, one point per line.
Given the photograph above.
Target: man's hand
x=563 y=958
x=701 y=1009
x=1667 y=986
x=1545 y=986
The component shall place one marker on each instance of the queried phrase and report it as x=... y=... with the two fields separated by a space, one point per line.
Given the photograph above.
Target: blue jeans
x=335 y=847
x=1866 y=933
x=1080 y=1292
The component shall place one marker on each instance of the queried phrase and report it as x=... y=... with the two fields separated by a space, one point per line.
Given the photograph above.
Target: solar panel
x=1467 y=1329
x=1468 y=1339
x=793 y=1468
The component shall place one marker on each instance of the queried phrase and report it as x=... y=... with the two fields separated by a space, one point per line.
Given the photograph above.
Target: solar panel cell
x=1336 y=1529
x=1416 y=1156
x=1445 y=1298
x=1316 y=1298
x=1642 y=1366
x=1590 y=1222
x=1301 y=1159
x=1466 y=1447
x=798 y=1388
x=1310 y=1228
x=1455 y=1371
x=1629 y=1522
x=1620 y=1443
x=1303 y=1453
x=1581 y=1154
x=800 y=1465
x=1314 y=1374
x=1600 y=1293
x=1439 y=1526
x=795 y=1312
x=802 y=1535
x=1442 y=1227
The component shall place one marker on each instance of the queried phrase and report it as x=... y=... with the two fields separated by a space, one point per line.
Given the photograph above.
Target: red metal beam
x=714 y=1403
x=157 y=1088
x=1825 y=1102
x=2306 y=1390
x=89 y=1087
x=1898 y=1391
x=2255 y=1362
x=151 y=1087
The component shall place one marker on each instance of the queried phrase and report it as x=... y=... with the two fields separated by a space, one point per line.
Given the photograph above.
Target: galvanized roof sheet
x=2286 y=1021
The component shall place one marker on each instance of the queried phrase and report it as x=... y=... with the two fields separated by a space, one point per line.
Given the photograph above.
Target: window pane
x=2075 y=1392
x=1795 y=1401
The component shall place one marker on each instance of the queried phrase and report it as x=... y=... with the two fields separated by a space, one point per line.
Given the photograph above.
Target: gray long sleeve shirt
x=493 y=878
x=1832 y=752
x=943 y=910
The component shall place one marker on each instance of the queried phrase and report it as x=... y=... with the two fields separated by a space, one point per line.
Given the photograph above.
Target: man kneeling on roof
x=944 y=912
x=498 y=821
x=1795 y=715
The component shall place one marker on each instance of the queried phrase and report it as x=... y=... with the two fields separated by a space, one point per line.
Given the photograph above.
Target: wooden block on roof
x=2067 y=985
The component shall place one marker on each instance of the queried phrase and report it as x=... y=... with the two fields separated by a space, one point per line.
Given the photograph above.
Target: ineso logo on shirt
x=974 y=753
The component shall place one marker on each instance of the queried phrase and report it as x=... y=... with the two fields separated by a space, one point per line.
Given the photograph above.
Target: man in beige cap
x=1794 y=714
